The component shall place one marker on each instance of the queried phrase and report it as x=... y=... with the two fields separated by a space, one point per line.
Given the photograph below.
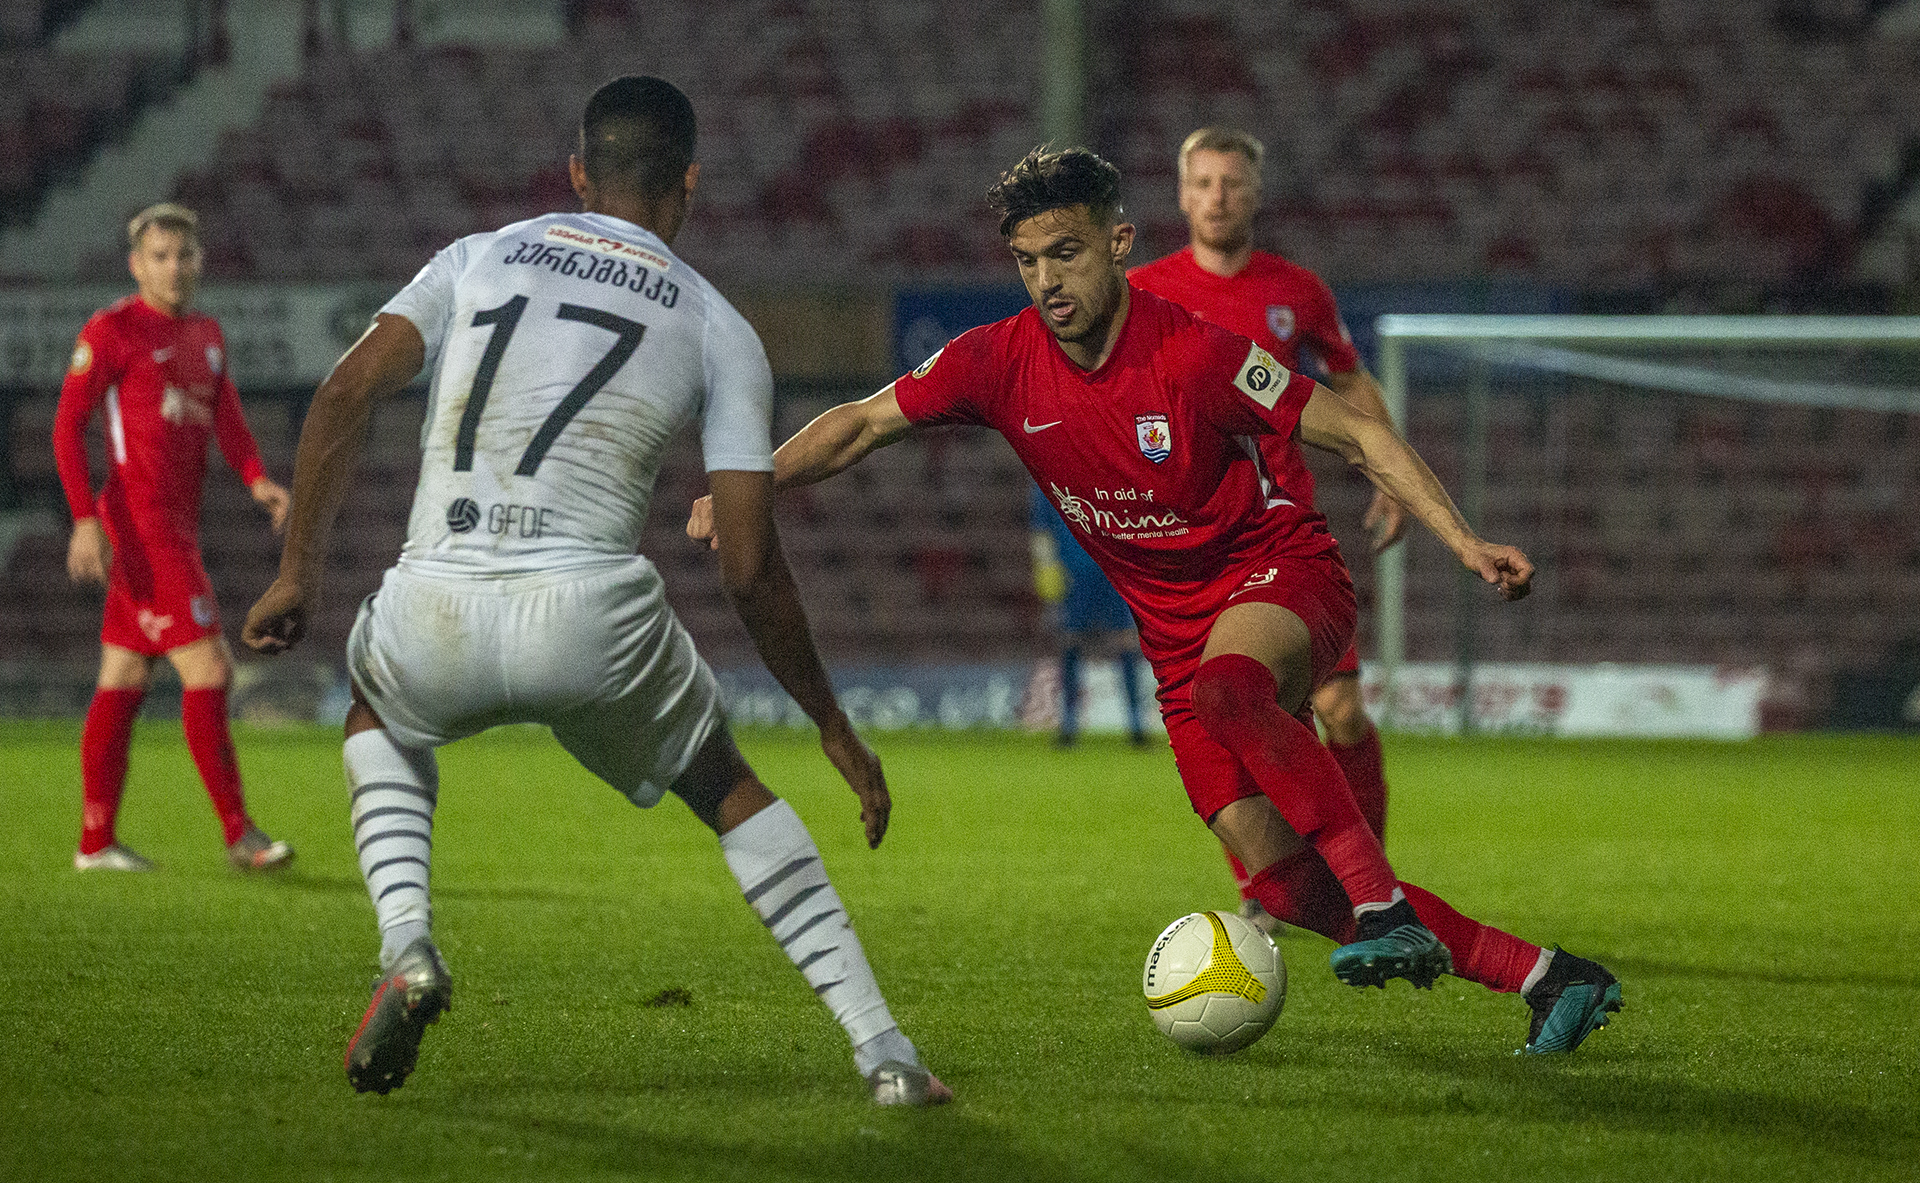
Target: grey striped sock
x=779 y=870
x=394 y=792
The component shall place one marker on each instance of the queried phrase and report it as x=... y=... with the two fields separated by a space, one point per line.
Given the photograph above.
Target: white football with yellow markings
x=1214 y=983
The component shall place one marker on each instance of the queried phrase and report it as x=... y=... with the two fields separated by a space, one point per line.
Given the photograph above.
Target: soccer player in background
x=1290 y=312
x=160 y=371
x=567 y=352
x=1092 y=616
x=1131 y=413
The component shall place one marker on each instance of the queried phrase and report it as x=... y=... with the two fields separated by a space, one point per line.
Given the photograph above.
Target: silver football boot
x=405 y=999
x=898 y=1083
x=111 y=858
x=254 y=851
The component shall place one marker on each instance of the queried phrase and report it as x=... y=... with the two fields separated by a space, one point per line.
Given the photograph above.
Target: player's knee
x=1342 y=711
x=203 y=666
x=718 y=785
x=1231 y=691
x=123 y=669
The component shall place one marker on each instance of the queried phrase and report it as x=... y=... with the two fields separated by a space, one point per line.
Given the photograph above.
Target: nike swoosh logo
x=1028 y=425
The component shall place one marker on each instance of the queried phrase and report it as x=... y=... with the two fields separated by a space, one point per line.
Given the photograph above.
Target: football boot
x=405 y=999
x=897 y=1083
x=1391 y=943
x=1571 y=1001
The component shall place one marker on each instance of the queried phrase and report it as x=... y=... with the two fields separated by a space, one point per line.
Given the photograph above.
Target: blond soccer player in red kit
x=157 y=370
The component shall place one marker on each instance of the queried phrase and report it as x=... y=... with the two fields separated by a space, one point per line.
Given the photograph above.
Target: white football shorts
x=594 y=653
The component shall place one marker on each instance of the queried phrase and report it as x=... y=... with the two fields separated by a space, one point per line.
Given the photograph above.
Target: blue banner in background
x=925 y=319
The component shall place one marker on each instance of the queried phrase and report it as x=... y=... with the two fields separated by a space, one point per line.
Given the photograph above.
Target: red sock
x=1301 y=891
x=104 y=742
x=1481 y=953
x=1236 y=700
x=1362 y=766
x=203 y=716
x=1241 y=879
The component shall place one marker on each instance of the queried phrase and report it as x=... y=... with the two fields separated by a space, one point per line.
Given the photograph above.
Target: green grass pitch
x=1754 y=898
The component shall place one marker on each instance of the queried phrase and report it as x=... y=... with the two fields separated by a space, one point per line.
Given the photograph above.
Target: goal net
x=1734 y=495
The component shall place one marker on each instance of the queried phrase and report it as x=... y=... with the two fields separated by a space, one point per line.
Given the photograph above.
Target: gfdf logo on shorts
x=463 y=515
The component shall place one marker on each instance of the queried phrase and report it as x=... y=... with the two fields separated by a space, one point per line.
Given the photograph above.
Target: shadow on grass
x=1629 y=967
x=345 y=885
x=947 y=1144
x=1597 y=1090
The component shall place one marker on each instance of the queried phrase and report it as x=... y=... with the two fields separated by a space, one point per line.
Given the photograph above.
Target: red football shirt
x=163 y=381
x=1279 y=305
x=1150 y=457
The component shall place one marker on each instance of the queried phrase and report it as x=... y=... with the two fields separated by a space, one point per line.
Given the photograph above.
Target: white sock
x=779 y=870
x=1362 y=909
x=394 y=792
x=1538 y=971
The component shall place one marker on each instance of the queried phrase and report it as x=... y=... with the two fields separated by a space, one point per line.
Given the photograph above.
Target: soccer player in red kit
x=1288 y=311
x=159 y=370
x=1136 y=418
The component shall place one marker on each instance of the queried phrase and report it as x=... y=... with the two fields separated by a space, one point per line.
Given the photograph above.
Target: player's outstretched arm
x=1386 y=519
x=832 y=443
x=1371 y=444
x=379 y=365
x=754 y=571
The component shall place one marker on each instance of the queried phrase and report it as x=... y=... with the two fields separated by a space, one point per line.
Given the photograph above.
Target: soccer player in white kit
x=566 y=352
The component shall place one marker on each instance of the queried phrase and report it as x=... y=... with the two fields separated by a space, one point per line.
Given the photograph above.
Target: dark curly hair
x=1046 y=180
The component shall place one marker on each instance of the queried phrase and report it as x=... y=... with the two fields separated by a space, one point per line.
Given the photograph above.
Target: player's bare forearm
x=757 y=580
x=832 y=443
x=1385 y=519
x=770 y=608
x=838 y=440
x=1392 y=464
x=378 y=366
x=769 y=605
x=1370 y=444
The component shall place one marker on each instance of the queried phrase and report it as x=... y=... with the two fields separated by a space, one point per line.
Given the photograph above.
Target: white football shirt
x=566 y=353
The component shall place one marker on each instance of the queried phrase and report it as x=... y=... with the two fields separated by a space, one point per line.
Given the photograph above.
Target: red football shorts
x=158 y=600
x=1350 y=664
x=1320 y=593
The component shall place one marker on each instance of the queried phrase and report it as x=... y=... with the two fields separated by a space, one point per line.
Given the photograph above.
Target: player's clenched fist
x=1503 y=566
x=278 y=621
x=700 y=523
x=89 y=554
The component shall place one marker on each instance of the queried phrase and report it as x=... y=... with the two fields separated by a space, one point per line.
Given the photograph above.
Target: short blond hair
x=167 y=215
x=1223 y=139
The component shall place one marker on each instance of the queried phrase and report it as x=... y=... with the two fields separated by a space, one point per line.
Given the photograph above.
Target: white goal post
x=1591 y=347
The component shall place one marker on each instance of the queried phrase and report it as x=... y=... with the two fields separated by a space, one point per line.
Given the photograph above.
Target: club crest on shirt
x=202 y=609
x=214 y=358
x=920 y=371
x=180 y=408
x=1156 y=440
x=1280 y=321
x=82 y=358
x=1261 y=378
